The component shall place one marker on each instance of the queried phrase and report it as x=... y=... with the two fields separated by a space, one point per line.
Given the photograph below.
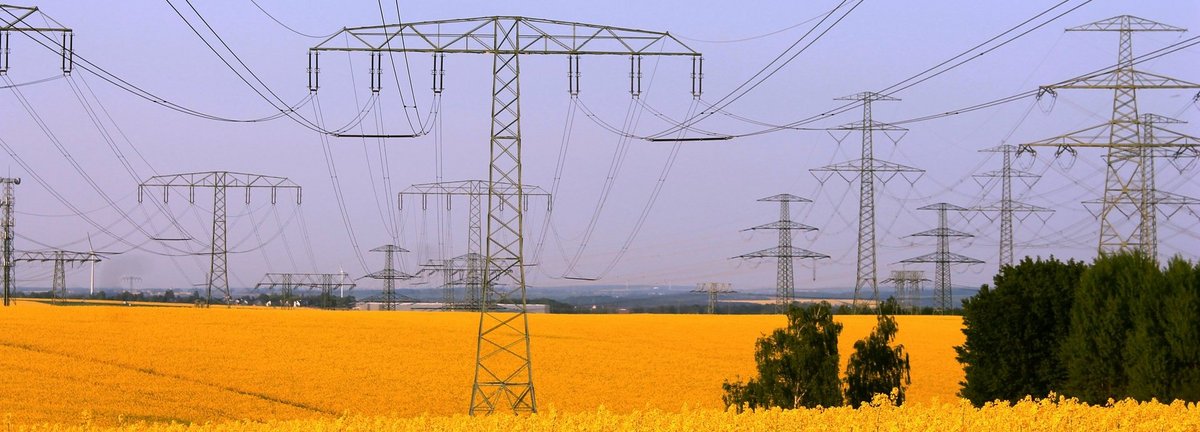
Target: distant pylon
x=60 y=259
x=785 y=254
x=1127 y=180
x=389 y=275
x=908 y=288
x=867 y=169
x=6 y=235
x=942 y=288
x=713 y=289
x=1154 y=136
x=1007 y=206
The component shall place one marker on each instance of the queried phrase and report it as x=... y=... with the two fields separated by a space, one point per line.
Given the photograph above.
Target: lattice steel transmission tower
x=504 y=372
x=389 y=275
x=467 y=268
x=943 y=258
x=908 y=288
x=218 y=181
x=1184 y=146
x=1128 y=179
x=1007 y=207
x=713 y=289
x=7 y=234
x=60 y=259
x=785 y=254
x=288 y=282
x=132 y=281
x=867 y=169
x=18 y=19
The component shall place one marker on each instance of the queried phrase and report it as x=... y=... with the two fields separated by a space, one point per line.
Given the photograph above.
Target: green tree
x=1015 y=331
x=1181 y=330
x=1102 y=323
x=876 y=366
x=797 y=364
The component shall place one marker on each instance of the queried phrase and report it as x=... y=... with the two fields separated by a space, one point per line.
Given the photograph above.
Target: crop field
x=112 y=364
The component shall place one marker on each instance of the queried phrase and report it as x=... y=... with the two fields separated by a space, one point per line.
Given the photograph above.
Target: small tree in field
x=797 y=365
x=876 y=366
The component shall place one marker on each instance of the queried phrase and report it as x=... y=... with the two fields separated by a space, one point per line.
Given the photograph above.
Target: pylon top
x=389 y=248
x=867 y=96
x=1161 y=119
x=1126 y=23
x=942 y=206
x=785 y=198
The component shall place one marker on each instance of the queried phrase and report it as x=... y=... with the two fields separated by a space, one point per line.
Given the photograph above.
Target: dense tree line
x=1119 y=328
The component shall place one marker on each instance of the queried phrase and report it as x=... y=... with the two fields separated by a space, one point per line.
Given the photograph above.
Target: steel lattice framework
x=288 y=282
x=470 y=275
x=504 y=372
x=785 y=254
x=908 y=288
x=1007 y=207
x=713 y=290
x=17 y=19
x=60 y=259
x=942 y=288
x=1128 y=179
x=389 y=275
x=6 y=235
x=219 y=182
x=867 y=169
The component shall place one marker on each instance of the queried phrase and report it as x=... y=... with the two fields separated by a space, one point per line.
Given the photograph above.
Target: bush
x=797 y=365
x=876 y=367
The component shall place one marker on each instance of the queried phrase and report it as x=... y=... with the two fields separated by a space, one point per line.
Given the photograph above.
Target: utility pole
x=908 y=288
x=389 y=275
x=785 y=254
x=475 y=191
x=1128 y=202
x=867 y=169
x=1007 y=206
x=503 y=365
x=713 y=289
x=60 y=259
x=942 y=288
x=131 y=280
x=218 y=181
x=7 y=234
x=288 y=282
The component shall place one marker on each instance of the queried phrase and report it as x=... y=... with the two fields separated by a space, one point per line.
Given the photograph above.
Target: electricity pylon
x=18 y=19
x=1155 y=135
x=908 y=288
x=942 y=288
x=131 y=280
x=389 y=275
x=867 y=169
x=713 y=289
x=1007 y=207
x=785 y=254
x=6 y=235
x=218 y=181
x=288 y=282
x=503 y=365
x=475 y=191
x=60 y=259
x=1128 y=177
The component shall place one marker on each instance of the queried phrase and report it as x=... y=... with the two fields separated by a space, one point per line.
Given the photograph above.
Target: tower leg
x=503 y=366
x=866 y=277
x=218 y=277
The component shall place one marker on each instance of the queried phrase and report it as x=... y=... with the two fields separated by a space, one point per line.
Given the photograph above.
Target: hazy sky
x=708 y=197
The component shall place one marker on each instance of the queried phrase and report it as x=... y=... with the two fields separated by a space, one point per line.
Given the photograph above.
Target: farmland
x=113 y=364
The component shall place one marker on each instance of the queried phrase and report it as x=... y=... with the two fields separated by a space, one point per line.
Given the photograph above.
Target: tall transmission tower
x=60 y=259
x=218 y=181
x=1007 y=207
x=867 y=169
x=1127 y=204
x=908 y=288
x=18 y=19
x=289 y=282
x=7 y=234
x=472 y=262
x=503 y=366
x=785 y=254
x=1155 y=135
x=389 y=275
x=943 y=258
x=713 y=289
x=131 y=280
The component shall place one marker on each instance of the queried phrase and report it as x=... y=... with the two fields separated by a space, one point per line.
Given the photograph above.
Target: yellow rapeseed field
x=109 y=365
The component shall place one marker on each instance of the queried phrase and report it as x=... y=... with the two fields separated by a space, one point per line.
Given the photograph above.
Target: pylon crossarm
x=1127 y=23
x=49 y=256
x=947 y=257
x=13 y=19
x=520 y=35
x=941 y=232
x=1120 y=79
x=783 y=225
x=782 y=252
x=868 y=125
